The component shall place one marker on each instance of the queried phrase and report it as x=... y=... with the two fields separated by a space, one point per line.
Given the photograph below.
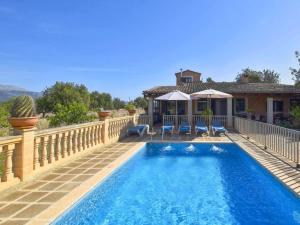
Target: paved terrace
x=39 y=201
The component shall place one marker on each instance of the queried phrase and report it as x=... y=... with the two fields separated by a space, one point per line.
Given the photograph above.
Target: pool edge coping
x=58 y=208
x=270 y=168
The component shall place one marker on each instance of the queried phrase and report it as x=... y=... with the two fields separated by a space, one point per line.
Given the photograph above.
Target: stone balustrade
x=31 y=152
x=8 y=150
x=117 y=127
x=143 y=119
x=54 y=144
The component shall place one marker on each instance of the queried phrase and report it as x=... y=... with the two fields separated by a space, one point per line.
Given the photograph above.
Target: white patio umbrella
x=209 y=94
x=174 y=96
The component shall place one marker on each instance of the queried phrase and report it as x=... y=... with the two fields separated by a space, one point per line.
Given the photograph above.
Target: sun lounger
x=200 y=127
x=139 y=129
x=167 y=128
x=185 y=127
x=218 y=128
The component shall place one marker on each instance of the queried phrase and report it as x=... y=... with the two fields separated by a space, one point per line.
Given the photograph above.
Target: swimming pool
x=187 y=183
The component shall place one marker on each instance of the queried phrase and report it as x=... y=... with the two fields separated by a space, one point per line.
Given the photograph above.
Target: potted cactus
x=23 y=113
x=103 y=114
x=131 y=109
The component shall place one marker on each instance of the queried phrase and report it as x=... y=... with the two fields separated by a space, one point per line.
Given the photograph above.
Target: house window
x=240 y=105
x=201 y=105
x=277 y=106
x=186 y=79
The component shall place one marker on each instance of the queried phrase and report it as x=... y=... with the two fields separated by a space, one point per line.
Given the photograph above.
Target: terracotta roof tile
x=228 y=87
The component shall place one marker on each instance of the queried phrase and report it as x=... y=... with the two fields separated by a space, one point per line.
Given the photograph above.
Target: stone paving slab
x=27 y=201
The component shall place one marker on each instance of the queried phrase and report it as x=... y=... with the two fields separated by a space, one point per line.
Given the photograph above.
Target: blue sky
x=124 y=47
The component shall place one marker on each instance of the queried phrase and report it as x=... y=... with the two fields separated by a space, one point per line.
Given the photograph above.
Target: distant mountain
x=4 y=87
x=9 y=91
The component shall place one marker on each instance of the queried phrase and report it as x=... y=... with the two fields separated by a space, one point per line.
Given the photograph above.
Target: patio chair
x=218 y=128
x=201 y=127
x=185 y=127
x=139 y=129
x=168 y=127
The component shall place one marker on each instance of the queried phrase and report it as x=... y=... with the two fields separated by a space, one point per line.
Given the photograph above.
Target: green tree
x=63 y=94
x=296 y=72
x=210 y=80
x=140 y=102
x=100 y=100
x=253 y=76
x=270 y=76
x=118 y=103
x=72 y=113
x=43 y=106
x=249 y=76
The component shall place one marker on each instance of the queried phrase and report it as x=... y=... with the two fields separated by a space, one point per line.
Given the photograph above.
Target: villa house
x=266 y=102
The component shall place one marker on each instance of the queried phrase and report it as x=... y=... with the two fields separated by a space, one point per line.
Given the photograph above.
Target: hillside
x=9 y=91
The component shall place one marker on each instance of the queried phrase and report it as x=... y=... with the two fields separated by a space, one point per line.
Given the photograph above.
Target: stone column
x=150 y=110
x=104 y=131
x=190 y=111
x=25 y=154
x=229 y=112
x=135 y=119
x=270 y=110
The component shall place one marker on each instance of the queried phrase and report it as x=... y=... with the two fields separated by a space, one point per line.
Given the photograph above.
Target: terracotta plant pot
x=104 y=114
x=23 y=122
x=132 y=112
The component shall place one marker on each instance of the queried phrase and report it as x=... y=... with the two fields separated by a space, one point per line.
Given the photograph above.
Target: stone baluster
x=87 y=141
x=58 y=146
x=75 y=143
x=97 y=135
x=83 y=139
x=44 y=161
x=65 y=145
x=80 y=136
x=36 y=162
x=92 y=136
x=8 y=164
x=70 y=142
x=51 y=148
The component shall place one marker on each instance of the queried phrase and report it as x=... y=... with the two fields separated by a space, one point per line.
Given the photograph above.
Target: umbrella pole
x=176 y=116
x=209 y=115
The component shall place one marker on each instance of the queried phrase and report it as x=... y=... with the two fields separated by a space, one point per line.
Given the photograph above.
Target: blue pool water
x=187 y=184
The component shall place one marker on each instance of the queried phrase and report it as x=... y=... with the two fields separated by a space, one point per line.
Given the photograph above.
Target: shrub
x=207 y=112
x=42 y=124
x=295 y=113
x=130 y=106
x=4 y=114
